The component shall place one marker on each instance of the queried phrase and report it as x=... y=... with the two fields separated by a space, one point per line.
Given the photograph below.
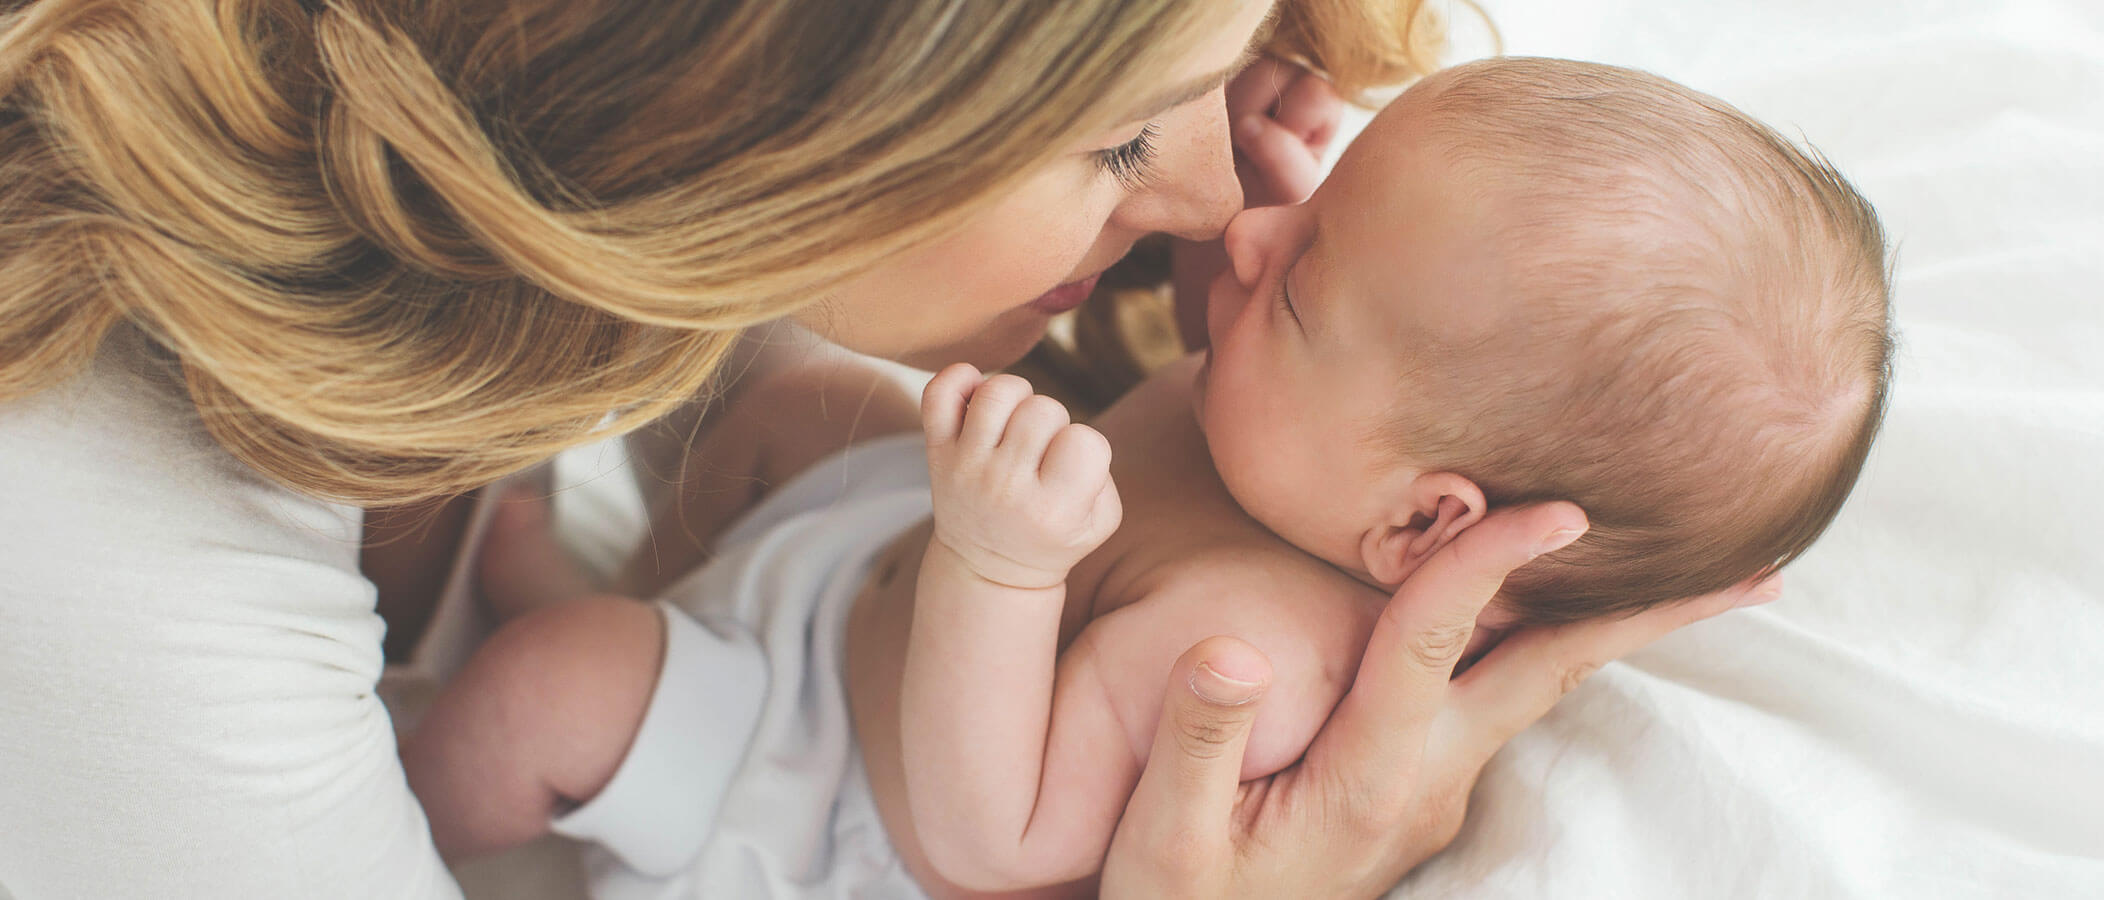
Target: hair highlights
x=398 y=249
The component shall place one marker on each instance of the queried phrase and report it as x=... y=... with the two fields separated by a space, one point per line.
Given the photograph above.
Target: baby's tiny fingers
x=943 y=401
x=1109 y=510
x=1078 y=459
x=986 y=416
x=1031 y=427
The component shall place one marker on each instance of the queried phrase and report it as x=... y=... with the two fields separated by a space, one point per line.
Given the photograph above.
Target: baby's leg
x=770 y=432
x=538 y=722
x=545 y=710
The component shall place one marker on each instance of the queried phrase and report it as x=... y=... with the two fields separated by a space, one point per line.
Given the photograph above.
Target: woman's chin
x=994 y=348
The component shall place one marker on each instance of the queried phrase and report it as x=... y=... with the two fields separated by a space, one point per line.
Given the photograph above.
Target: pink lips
x=1066 y=296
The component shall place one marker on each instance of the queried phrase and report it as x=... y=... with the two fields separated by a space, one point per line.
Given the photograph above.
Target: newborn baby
x=1527 y=280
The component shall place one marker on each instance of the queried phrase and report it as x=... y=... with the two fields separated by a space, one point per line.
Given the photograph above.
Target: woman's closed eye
x=1132 y=162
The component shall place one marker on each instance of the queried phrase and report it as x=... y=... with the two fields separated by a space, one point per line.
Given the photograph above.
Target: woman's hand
x=1281 y=119
x=1385 y=785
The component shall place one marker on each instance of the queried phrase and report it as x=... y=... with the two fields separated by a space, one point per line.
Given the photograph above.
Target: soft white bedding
x=1923 y=714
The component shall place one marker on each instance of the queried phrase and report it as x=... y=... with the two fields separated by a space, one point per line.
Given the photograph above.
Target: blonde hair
x=399 y=249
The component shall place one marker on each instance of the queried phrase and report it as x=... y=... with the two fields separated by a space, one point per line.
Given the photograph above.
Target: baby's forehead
x=1519 y=172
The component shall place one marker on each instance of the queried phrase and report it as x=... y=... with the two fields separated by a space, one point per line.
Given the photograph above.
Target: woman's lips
x=1066 y=296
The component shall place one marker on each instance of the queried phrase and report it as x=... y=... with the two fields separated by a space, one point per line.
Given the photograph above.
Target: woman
x=265 y=262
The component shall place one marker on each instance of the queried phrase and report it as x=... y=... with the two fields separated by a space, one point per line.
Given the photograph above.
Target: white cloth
x=1922 y=714
x=187 y=665
x=780 y=779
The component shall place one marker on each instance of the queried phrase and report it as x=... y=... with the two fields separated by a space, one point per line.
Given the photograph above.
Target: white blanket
x=1922 y=715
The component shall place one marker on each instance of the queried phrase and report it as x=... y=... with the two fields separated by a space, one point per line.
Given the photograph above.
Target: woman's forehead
x=1236 y=34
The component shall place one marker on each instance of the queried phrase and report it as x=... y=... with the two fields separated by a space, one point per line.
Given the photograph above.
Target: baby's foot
x=521 y=567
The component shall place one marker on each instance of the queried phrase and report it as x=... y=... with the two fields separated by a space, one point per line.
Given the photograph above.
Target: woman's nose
x=1194 y=191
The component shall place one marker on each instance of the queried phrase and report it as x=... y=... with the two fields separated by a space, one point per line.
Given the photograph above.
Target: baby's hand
x=1021 y=493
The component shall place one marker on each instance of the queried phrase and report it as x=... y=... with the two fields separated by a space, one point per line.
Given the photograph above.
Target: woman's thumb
x=1196 y=763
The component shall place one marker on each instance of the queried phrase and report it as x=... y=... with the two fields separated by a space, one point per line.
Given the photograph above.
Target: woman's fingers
x=1260 y=89
x=1284 y=117
x=1312 y=110
x=1286 y=170
x=1526 y=673
x=1180 y=815
x=1379 y=729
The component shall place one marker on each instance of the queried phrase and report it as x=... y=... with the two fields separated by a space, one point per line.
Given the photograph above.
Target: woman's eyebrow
x=1169 y=100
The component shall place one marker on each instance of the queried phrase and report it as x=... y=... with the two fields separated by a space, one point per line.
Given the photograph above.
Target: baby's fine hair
x=1707 y=348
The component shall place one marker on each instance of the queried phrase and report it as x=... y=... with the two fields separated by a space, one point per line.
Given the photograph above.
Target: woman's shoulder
x=189 y=651
x=113 y=481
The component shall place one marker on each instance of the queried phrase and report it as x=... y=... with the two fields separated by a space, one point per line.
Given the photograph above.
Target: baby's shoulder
x=1309 y=620
x=1287 y=603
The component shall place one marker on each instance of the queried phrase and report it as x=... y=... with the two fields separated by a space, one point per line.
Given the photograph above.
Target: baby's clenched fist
x=1021 y=492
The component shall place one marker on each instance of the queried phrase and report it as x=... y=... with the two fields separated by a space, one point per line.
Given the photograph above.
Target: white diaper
x=744 y=780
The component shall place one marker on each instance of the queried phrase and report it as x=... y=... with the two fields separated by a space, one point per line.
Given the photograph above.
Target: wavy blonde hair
x=397 y=249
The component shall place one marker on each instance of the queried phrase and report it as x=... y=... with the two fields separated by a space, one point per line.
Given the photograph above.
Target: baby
x=1527 y=280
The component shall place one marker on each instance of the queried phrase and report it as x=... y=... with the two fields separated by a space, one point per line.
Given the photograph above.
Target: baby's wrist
x=989 y=569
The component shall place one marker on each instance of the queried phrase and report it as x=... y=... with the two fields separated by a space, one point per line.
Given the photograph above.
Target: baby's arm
x=537 y=722
x=1006 y=743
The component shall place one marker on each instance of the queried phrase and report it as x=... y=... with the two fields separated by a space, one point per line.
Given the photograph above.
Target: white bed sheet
x=1923 y=714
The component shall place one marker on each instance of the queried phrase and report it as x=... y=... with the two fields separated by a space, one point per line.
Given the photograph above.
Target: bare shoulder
x=1310 y=620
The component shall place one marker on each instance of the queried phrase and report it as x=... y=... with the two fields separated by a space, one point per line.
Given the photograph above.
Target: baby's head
x=1538 y=280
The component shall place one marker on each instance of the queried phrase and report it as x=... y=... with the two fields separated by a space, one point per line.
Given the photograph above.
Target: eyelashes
x=1285 y=302
x=1132 y=162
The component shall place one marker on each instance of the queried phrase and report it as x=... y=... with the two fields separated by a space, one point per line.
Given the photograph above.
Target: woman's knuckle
x=1446 y=824
x=1204 y=738
x=1439 y=646
x=1574 y=674
x=1380 y=821
x=1185 y=853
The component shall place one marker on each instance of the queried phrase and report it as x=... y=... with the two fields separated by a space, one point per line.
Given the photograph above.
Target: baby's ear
x=1432 y=510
